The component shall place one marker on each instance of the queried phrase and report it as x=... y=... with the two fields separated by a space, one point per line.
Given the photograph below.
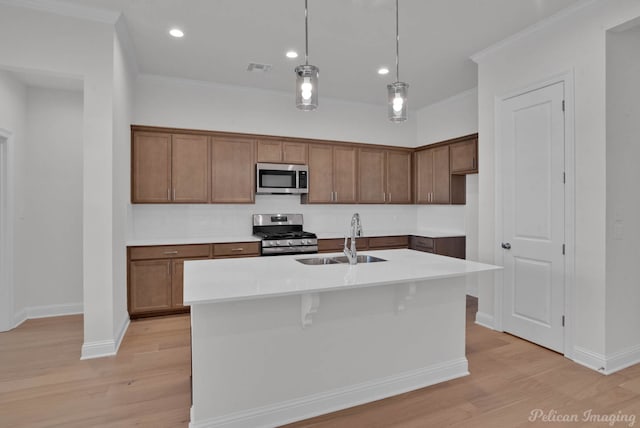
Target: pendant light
x=306 y=75
x=397 y=91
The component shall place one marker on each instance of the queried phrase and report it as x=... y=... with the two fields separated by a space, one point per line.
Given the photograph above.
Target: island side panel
x=255 y=365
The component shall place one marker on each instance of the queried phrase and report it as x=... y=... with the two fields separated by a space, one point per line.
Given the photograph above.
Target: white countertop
x=187 y=241
x=429 y=233
x=211 y=281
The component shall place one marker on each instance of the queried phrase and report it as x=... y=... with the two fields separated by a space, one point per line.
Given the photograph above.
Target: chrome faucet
x=356 y=230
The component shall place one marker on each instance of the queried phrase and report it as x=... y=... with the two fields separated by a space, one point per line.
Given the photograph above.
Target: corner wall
x=623 y=199
x=84 y=49
x=13 y=114
x=574 y=43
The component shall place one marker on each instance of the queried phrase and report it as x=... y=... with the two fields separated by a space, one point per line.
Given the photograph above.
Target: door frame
x=567 y=78
x=7 y=309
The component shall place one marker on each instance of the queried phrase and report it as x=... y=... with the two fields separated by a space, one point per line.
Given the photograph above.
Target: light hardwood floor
x=44 y=384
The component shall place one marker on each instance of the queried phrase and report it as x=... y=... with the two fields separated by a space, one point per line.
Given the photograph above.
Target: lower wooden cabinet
x=337 y=245
x=155 y=276
x=452 y=247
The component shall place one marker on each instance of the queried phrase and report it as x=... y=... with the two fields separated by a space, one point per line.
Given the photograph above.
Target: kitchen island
x=275 y=340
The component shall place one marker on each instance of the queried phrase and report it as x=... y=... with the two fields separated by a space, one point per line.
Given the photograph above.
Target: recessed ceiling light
x=292 y=54
x=383 y=70
x=176 y=32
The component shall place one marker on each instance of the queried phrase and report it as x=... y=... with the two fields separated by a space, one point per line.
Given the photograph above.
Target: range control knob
x=290 y=242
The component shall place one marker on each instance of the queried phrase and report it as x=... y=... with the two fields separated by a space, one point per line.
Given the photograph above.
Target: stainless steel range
x=283 y=234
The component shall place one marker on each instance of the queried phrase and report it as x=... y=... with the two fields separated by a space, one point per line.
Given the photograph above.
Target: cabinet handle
x=237 y=249
x=168 y=194
x=171 y=252
x=389 y=197
x=384 y=197
x=336 y=199
x=174 y=193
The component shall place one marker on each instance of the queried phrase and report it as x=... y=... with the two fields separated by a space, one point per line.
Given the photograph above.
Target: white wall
x=452 y=118
x=124 y=72
x=575 y=43
x=623 y=199
x=184 y=104
x=48 y=255
x=195 y=105
x=13 y=113
x=82 y=48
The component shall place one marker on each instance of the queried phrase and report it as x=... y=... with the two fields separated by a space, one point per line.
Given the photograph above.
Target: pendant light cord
x=306 y=34
x=397 y=45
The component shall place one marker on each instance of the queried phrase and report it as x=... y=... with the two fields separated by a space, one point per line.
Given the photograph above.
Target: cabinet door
x=149 y=286
x=371 y=176
x=398 y=177
x=151 y=167
x=344 y=174
x=441 y=176
x=424 y=176
x=190 y=168
x=232 y=170
x=294 y=153
x=177 y=282
x=464 y=157
x=320 y=174
x=269 y=151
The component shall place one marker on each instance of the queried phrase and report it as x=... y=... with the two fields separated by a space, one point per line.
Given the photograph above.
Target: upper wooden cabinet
x=282 y=152
x=464 y=156
x=332 y=174
x=169 y=168
x=233 y=170
x=433 y=179
x=384 y=176
x=186 y=166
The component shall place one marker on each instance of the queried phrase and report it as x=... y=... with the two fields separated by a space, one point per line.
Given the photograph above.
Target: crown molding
x=478 y=57
x=66 y=9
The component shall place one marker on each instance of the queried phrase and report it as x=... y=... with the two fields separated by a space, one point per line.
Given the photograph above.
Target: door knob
x=506 y=245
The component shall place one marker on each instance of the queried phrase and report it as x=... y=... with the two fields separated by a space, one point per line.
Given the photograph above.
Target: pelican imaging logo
x=588 y=416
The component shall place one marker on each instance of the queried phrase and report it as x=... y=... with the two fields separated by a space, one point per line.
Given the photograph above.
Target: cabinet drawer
x=337 y=245
x=389 y=242
x=421 y=243
x=169 y=251
x=236 y=249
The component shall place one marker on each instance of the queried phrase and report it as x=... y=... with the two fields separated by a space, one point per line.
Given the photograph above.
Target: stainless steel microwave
x=281 y=178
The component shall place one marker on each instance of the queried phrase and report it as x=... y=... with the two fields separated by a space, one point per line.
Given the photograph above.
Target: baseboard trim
x=19 y=318
x=338 y=399
x=485 y=320
x=622 y=359
x=46 y=311
x=590 y=359
x=124 y=326
x=104 y=348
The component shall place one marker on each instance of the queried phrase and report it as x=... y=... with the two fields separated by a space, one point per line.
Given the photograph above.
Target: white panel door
x=532 y=126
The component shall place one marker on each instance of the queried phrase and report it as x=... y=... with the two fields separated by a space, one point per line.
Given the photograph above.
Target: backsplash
x=193 y=221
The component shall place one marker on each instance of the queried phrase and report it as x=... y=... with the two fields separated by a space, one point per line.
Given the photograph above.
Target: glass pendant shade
x=307 y=87
x=397 y=101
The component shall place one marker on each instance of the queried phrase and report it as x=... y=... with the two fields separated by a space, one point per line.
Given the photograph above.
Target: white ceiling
x=348 y=41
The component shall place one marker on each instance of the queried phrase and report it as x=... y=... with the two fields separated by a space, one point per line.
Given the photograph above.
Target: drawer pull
x=237 y=249
x=171 y=252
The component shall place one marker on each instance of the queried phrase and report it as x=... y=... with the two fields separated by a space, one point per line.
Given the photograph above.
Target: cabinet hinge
x=563 y=249
x=562 y=105
x=563 y=320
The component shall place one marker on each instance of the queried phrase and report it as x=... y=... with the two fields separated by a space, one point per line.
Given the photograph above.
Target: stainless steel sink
x=318 y=261
x=341 y=259
x=361 y=259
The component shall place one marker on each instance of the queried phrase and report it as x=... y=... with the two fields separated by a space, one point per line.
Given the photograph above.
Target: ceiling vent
x=259 y=68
